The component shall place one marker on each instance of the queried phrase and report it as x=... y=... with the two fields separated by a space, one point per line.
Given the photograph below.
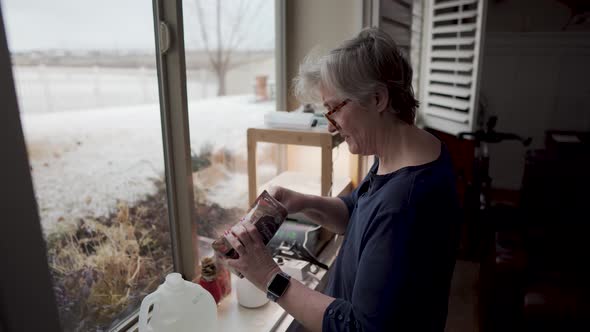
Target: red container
x=213 y=287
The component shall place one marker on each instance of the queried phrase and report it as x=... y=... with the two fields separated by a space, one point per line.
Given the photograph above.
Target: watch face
x=278 y=284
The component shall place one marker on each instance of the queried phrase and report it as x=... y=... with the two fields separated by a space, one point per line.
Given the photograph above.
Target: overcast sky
x=123 y=24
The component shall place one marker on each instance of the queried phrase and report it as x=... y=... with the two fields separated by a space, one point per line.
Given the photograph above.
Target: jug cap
x=174 y=280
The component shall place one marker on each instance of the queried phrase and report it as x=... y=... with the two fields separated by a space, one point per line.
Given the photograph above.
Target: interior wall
x=530 y=16
x=534 y=77
x=319 y=26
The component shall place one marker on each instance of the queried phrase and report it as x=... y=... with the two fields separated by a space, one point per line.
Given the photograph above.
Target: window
x=114 y=211
x=451 y=63
x=88 y=97
x=89 y=103
x=230 y=69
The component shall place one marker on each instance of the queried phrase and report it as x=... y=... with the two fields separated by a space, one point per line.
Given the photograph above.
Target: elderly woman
x=400 y=224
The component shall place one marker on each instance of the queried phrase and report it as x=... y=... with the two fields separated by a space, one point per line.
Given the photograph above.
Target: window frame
x=171 y=68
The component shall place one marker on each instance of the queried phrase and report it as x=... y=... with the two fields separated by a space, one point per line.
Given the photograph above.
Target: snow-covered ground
x=83 y=163
x=46 y=89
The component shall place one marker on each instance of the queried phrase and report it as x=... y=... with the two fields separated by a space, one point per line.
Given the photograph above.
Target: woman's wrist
x=269 y=276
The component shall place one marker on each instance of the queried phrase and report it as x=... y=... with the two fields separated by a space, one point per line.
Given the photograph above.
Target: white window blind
x=451 y=59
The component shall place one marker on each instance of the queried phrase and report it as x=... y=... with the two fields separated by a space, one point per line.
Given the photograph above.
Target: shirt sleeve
x=378 y=290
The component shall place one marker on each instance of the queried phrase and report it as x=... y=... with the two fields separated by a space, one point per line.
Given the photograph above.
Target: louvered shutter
x=451 y=62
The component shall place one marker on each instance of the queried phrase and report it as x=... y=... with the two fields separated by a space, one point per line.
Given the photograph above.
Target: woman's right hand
x=292 y=200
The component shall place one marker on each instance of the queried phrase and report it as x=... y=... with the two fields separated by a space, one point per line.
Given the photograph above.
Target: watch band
x=275 y=294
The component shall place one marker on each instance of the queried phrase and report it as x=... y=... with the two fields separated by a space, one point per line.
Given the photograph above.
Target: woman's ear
x=381 y=99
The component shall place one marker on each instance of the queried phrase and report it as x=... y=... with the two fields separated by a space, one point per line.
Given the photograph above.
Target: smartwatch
x=277 y=286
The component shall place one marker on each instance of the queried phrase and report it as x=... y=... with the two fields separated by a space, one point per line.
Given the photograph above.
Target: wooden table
x=317 y=137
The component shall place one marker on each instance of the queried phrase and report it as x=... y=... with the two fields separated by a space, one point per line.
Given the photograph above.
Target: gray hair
x=357 y=69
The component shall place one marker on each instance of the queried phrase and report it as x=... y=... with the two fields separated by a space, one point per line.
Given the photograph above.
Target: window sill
x=270 y=317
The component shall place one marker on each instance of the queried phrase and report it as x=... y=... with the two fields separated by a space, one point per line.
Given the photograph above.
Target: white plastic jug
x=179 y=306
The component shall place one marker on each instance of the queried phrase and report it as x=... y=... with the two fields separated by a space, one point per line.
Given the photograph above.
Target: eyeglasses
x=335 y=109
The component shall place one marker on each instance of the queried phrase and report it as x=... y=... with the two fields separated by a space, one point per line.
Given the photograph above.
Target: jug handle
x=143 y=312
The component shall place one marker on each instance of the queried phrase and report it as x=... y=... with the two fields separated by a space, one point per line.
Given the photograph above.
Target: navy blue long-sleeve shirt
x=394 y=268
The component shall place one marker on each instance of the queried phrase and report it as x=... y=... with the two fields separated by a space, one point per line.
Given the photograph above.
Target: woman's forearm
x=329 y=212
x=305 y=305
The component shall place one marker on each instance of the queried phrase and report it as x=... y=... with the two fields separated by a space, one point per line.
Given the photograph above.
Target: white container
x=248 y=295
x=179 y=306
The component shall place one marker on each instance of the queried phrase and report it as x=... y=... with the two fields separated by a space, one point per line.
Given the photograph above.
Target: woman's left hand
x=255 y=261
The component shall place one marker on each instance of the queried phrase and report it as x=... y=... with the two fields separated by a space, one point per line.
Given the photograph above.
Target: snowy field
x=85 y=160
x=43 y=89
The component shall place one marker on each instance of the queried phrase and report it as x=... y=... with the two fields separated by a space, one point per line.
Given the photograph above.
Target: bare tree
x=220 y=57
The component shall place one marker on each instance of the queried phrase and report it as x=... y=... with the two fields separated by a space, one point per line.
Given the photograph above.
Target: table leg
x=326 y=171
x=252 y=186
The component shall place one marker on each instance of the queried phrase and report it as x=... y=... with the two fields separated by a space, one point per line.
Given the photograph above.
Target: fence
x=43 y=89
